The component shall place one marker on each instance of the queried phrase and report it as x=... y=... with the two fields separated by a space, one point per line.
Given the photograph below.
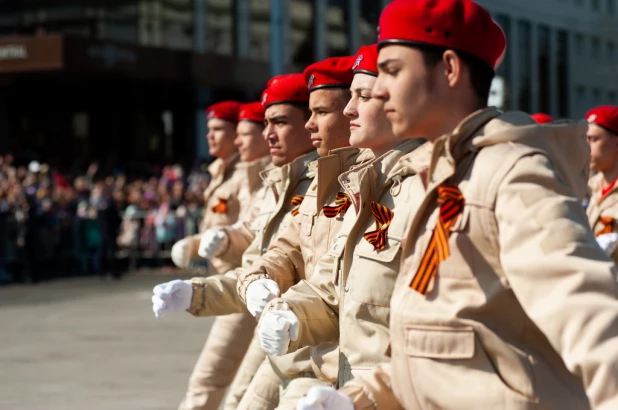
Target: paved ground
x=92 y=345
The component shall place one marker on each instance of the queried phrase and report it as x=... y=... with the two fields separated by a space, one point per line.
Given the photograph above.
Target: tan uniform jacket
x=217 y=295
x=601 y=207
x=347 y=298
x=308 y=237
x=227 y=201
x=523 y=314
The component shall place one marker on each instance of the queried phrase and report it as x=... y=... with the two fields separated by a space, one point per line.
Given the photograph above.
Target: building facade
x=141 y=72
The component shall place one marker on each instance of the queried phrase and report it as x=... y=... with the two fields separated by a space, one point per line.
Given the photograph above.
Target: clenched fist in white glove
x=324 y=398
x=608 y=242
x=276 y=330
x=171 y=297
x=213 y=242
x=259 y=293
x=181 y=253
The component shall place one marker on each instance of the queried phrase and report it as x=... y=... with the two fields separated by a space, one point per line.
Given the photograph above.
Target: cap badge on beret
x=357 y=62
x=264 y=98
x=592 y=118
x=311 y=80
x=211 y=114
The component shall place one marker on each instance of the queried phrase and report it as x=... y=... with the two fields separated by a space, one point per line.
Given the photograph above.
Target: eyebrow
x=384 y=63
x=277 y=118
x=320 y=107
x=360 y=89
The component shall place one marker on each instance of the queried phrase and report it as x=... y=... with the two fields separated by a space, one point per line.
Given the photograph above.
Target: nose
x=311 y=125
x=350 y=110
x=379 y=88
x=237 y=141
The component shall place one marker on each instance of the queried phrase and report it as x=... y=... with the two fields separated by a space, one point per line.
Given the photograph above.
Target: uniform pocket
x=458 y=353
x=373 y=274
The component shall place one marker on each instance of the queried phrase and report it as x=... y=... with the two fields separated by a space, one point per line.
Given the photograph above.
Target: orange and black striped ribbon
x=221 y=207
x=383 y=217
x=295 y=202
x=342 y=203
x=608 y=225
x=451 y=203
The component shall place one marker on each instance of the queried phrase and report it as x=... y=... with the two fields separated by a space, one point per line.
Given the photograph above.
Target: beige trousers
x=265 y=396
x=219 y=361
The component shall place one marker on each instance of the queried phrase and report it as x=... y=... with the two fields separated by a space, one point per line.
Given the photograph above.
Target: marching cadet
x=347 y=297
x=293 y=254
x=504 y=299
x=222 y=206
x=603 y=205
x=542 y=118
x=285 y=184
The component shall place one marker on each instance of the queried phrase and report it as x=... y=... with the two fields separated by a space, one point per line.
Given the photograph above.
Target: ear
x=452 y=68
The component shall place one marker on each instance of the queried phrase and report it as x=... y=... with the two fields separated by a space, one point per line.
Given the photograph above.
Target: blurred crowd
x=54 y=223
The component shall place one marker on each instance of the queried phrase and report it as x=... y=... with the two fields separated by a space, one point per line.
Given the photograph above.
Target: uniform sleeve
x=316 y=304
x=283 y=262
x=239 y=237
x=561 y=277
x=216 y=295
x=194 y=245
x=372 y=391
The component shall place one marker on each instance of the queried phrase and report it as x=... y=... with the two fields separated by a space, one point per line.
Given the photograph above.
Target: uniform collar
x=222 y=166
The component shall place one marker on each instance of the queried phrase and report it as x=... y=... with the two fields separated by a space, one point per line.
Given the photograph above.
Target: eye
x=364 y=97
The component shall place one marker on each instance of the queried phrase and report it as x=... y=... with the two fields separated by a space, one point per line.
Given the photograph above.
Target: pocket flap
x=440 y=342
x=366 y=250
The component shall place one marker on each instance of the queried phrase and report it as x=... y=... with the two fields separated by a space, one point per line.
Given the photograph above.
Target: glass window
x=596 y=48
x=504 y=69
x=544 y=68
x=219 y=20
x=611 y=97
x=611 y=6
x=596 y=96
x=337 y=21
x=302 y=31
x=562 y=68
x=177 y=24
x=596 y=5
x=259 y=30
x=610 y=52
x=579 y=44
x=525 y=37
x=581 y=96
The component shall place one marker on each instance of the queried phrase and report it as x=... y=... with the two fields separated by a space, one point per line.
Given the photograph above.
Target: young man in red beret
x=602 y=208
x=222 y=206
x=286 y=110
x=504 y=299
x=292 y=256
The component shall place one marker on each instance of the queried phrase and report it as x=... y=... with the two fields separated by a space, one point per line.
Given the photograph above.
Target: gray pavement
x=84 y=343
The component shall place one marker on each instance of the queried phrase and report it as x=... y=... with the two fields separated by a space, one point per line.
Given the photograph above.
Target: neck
x=610 y=175
x=456 y=114
x=383 y=149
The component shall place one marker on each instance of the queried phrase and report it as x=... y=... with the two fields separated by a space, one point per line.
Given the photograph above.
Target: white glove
x=324 y=398
x=180 y=253
x=171 y=297
x=608 y=242
x=212 y=243
x=259 y=293
x=276 y=330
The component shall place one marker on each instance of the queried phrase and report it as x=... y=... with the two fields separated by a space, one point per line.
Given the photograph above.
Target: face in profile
x=329 y=127
x=285 y=133
x=220 y=137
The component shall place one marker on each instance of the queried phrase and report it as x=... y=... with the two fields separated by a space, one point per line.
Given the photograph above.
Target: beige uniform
x=292 y=258
x=523 y=314
x=217 y=296
x=602 y=209
x=347 y=298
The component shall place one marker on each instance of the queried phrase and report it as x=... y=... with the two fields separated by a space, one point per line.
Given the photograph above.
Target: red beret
x=253 y=111
x=366 y=60
x=334 y=72
x=287 y=88
x=542 y=118
x=460 y=25
x=606 y=116
x=225 y=110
